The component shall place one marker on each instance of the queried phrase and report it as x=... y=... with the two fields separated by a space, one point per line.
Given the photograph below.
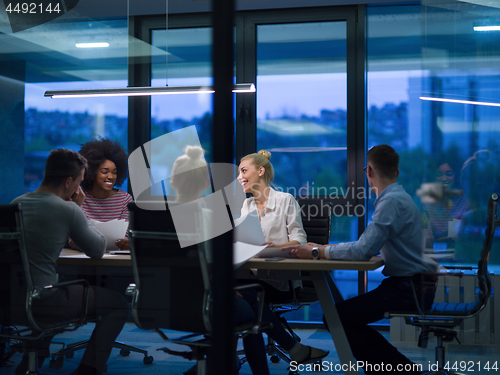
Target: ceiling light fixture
x=145 y=91
x=91 y=45
x=491 y=104
x=487 y=28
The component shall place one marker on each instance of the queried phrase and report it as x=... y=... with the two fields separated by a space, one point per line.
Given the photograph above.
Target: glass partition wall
x=309 y=109
x=433 y=94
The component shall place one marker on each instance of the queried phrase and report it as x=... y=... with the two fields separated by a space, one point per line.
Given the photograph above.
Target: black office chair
x=172 y=284
x=19 y=295
x=316 y=217
x=444 y=317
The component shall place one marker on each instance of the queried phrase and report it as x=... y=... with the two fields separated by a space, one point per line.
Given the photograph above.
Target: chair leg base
x=68 y=352
x=276 y=354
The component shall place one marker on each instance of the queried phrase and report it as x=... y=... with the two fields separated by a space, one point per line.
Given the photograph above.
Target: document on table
x=248 y=238
x=247 y=229
x=243 y=251
x=112 y=230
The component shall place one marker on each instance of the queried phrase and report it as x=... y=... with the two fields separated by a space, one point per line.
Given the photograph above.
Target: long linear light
x=145 y=91
x=460 y=101
x=487 y=28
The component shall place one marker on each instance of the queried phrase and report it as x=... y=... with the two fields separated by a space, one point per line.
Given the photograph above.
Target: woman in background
x=107 y=168
x=439 y=214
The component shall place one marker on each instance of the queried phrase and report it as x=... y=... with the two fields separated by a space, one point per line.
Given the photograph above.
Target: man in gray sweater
x=51 y=214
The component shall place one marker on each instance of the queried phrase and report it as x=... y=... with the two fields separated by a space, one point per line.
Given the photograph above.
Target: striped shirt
x=106 y=209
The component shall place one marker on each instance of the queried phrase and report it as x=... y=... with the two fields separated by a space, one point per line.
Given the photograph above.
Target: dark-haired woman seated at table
x=107 y=168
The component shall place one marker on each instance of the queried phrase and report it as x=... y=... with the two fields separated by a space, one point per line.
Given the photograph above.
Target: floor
x=474 y=358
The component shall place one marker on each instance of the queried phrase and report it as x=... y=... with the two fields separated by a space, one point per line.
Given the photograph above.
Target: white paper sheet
x=243 y=251
x=248 y=230
x=112 y=230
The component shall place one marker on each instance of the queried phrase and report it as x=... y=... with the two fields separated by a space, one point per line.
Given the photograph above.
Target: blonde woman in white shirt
x=279 y=215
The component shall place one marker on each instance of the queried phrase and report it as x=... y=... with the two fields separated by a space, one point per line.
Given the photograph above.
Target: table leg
x=362 y=282
x=328 y=293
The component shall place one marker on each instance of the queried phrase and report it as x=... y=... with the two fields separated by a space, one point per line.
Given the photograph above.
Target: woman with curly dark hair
x=107 y=167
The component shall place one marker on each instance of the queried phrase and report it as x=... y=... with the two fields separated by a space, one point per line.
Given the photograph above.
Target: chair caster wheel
x=124 y=352
x=57 y=362
x=275 y=359
x=148 y=360
x=69 y=355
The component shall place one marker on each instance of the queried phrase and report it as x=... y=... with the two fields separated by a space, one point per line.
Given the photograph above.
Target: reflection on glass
x=302 y=105
x=436 y=53
x=189 y=63
x=54 y=123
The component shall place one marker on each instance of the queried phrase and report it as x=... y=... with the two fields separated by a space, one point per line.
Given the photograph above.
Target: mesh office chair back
x=444 y=317
x=171 y=292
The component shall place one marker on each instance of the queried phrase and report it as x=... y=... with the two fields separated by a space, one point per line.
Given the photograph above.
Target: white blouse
x=280 y=220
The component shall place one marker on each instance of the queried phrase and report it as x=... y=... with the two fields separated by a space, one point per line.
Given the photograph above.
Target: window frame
x=246 y=23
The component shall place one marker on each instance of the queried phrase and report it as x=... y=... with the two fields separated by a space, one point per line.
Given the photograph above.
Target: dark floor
x=472 y=357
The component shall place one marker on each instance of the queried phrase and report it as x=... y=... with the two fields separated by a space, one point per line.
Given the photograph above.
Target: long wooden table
x=319 y=271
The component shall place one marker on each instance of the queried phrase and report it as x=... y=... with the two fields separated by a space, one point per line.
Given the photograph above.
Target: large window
x=185 y=59
x=309 y=109
x=51 y=58
x=302 y=105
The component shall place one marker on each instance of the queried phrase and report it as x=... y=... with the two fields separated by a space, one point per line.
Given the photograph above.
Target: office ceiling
x=50 y=53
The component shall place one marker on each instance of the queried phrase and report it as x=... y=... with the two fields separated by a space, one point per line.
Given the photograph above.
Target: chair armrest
x=419 y=303
x=83 y=314
x=130 y=289
x=260 y=299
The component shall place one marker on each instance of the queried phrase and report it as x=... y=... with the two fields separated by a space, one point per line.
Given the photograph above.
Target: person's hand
x=300 y=251
x=78 y=196
x=123 y=244
x=269 y=244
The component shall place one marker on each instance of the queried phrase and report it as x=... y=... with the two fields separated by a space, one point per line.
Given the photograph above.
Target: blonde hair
x=261 y=159
x=190 y=170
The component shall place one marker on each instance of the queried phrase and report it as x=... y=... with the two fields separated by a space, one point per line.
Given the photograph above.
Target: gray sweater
x=48 y=222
